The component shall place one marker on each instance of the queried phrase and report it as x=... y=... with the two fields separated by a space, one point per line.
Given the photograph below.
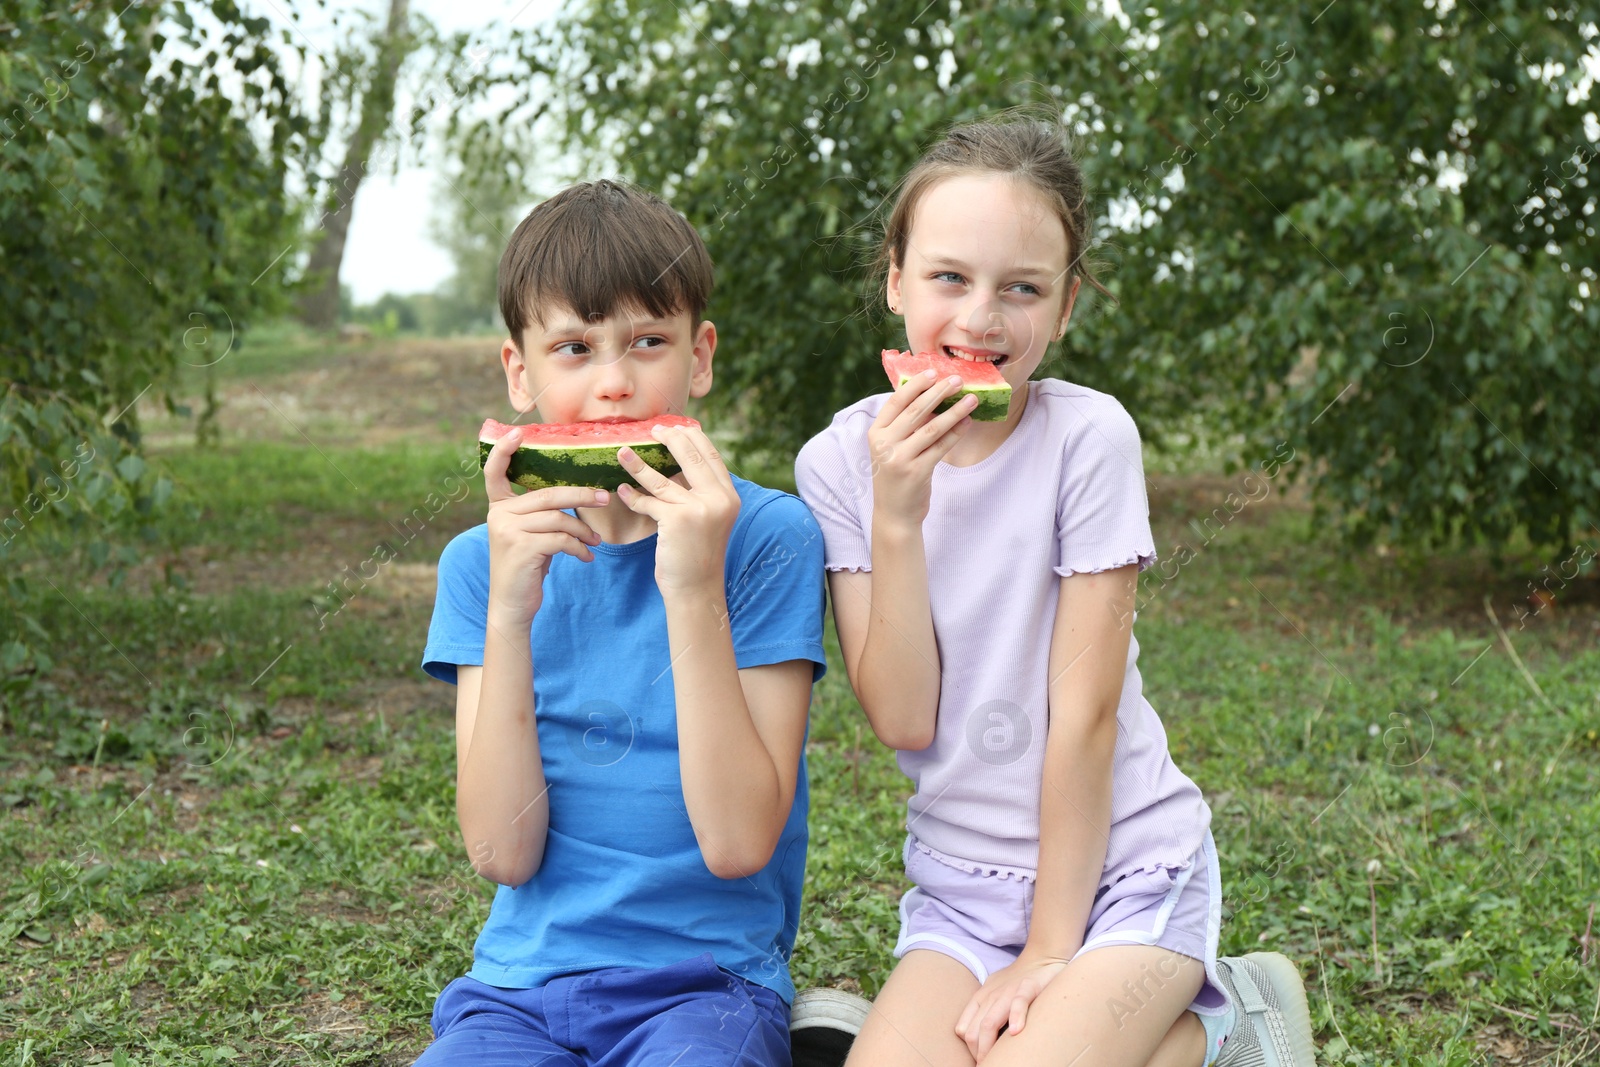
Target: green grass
x=214 y=854
x=264 y=352
x=253 y=494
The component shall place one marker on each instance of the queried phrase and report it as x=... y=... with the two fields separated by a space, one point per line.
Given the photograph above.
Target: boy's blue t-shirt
x=622 y=882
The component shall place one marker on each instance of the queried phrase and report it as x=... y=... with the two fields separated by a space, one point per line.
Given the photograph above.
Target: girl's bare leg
x=1119 y=1006
x=913 y=1019
x=1184 y=1045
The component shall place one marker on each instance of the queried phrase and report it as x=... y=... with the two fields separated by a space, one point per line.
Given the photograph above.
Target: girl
x=1067 y=900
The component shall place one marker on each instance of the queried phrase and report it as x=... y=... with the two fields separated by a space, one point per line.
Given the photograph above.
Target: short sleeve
x=1102 y=512
x=775 y=588
x=460 y=606
x=834 y=489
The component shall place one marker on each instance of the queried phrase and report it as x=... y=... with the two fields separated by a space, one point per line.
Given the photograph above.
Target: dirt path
x=367 y=394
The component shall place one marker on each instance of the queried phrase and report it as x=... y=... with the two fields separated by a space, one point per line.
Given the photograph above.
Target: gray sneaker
x=823 y=1023
x=1274 y=1027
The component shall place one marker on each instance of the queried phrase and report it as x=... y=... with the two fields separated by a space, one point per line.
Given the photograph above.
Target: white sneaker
x=1274 y=1027
x=823 y=1023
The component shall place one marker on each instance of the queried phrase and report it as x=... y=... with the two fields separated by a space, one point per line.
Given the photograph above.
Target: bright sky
x=388 y=249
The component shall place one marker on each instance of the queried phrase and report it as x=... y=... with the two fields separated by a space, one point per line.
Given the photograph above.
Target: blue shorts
x=688 y=1014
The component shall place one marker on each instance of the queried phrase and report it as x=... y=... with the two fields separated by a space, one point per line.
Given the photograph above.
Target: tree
x=476 y=211
x=144 y=220
x=372 y=83
x=1359 y=231
x=1385 y=216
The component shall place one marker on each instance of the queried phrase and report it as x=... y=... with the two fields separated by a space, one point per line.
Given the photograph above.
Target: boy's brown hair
x=602 y=247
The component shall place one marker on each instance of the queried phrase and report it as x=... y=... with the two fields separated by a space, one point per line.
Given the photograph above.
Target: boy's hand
x=907 y=441
x=693 y=521
x=525 y=531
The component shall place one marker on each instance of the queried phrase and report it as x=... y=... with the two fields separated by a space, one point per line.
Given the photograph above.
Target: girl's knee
x=913 y=1019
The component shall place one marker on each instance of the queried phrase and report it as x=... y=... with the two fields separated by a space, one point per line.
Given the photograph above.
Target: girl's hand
x=526 y=531
x=1004 y=1000
x=906 y=444
x=693 y=521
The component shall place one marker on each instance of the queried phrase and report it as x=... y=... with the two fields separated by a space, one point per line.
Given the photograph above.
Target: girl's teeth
x=972 y=358
x=969 y=356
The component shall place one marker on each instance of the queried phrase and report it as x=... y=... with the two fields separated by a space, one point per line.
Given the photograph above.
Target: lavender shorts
x=980 y=915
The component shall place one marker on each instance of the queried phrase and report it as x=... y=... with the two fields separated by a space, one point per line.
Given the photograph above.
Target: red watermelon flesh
x=981 y=379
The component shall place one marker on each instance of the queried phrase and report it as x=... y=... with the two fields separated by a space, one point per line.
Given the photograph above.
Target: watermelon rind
x=994 y=399
x=540 y=466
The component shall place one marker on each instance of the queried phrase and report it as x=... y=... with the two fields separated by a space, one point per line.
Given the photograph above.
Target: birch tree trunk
x=319 y=308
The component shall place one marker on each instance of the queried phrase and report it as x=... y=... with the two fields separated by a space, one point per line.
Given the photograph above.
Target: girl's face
x=985 y=274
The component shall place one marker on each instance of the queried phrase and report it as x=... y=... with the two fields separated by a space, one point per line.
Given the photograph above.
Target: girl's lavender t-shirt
x=1063 y=494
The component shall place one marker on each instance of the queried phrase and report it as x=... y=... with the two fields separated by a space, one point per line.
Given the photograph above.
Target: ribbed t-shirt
x=1063 y=494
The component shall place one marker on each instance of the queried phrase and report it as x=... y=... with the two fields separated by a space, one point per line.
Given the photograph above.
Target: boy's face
x=623 y=367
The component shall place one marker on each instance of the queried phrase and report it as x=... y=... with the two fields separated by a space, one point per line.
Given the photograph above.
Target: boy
x=633 y=675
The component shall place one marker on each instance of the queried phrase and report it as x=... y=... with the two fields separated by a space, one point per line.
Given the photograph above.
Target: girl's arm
x=1088 y=662
x=886 y=634
x=884 y=618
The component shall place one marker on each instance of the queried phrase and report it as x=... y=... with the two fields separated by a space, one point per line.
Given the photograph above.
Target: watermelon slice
x=580 y=453
x=981 y=379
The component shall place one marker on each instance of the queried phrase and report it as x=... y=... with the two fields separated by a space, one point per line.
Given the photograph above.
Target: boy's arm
x=739 y=735
x=739 y=731
x=501 y=795
x=502 y=802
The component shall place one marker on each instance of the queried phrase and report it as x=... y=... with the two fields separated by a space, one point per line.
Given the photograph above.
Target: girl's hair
x=1027 y=149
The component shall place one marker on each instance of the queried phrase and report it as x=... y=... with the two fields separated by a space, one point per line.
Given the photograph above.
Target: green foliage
x=1389 y=253
x=141 y=203
x=390 y=314
x=476 y=214
x=447 y=312
x=1300 y=200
